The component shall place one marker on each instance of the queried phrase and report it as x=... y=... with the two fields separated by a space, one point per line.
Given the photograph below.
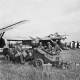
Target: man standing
x=73 y=44
x=77 y=44
x=57 y=49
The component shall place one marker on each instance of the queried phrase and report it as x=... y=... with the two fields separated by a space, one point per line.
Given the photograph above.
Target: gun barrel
x=13 y=25
x=2 y=31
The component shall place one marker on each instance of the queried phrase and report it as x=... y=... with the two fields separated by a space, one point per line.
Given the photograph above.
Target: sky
x=45 y=17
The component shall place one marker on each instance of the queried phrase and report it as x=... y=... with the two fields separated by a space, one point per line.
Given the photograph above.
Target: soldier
x=6 y=52
x=40 y=45
x=19 y=55
x=57 y=49
x=77 y=44
x=73 y=44
x=34 y=44
x=49 y=46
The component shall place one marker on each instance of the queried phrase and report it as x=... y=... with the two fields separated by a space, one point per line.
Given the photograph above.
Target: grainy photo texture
x=39 y=40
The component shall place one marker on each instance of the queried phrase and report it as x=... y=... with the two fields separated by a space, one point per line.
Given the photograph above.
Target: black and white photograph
x=39 y=39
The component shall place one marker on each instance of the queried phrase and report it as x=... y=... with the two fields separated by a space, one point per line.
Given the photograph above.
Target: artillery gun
x=3 y=30
x=4 y=47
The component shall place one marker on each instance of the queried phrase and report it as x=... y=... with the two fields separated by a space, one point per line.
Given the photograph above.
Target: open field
x=9 y=71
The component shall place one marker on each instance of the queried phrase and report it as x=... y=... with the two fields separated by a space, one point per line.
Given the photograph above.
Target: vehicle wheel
x=38 y=63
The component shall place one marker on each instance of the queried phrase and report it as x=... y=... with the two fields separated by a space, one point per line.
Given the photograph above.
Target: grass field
x=9 y=71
